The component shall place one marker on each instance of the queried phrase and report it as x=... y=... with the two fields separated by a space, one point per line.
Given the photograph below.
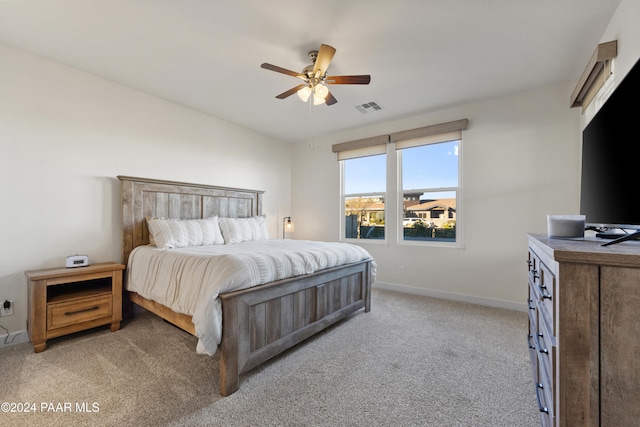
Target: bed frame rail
x=261 y=323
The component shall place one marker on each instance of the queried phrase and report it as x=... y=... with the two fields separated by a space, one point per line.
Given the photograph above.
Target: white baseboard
x=14 y=338
x=472 y=299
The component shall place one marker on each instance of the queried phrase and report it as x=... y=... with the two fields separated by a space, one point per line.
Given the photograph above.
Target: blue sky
x=426 y=166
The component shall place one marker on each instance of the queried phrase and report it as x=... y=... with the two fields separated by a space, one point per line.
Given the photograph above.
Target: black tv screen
x=611 y=160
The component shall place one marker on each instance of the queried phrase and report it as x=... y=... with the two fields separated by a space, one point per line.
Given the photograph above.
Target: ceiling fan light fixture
x=317 y=100
x=321 y=91
x=304 y=93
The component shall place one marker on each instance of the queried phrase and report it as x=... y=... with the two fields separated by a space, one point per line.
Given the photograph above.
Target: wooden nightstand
x=67 y=300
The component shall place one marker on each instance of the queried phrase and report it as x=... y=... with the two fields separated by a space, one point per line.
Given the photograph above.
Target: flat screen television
x=611 y=164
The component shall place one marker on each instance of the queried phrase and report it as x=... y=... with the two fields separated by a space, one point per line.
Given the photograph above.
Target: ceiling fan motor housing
x=308 y=70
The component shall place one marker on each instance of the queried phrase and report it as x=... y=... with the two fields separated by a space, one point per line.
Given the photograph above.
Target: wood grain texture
x=183 y=321
x=266 y=320
x=620 y=346
x=595 y=361
x=144 y=198
x=578 y=338
x=260 y=322
x=67 y=300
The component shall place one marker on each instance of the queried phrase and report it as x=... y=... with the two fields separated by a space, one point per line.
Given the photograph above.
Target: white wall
x=520 y=163
x=64 y=137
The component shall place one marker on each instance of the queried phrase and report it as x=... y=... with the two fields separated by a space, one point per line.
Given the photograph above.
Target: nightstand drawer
x=79 y=311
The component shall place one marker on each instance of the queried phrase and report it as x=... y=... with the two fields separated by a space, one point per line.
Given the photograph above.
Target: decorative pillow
x=237 y=230
x=231 y=231
x=211 y=234
x=178 y=233
x=262 y=232
x=168 y=233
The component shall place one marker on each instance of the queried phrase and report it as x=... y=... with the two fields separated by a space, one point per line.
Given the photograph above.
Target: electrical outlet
x=8 y=311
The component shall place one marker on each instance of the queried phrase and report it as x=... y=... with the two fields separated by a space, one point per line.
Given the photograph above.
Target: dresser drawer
x=531 y=341
x=544 y=348
x=544 y=405
x=543 y=388
x=543 y=289
x=78 y=311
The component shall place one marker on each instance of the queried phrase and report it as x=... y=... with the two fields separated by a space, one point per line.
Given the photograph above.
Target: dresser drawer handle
x=540 y=407
x=71 y=313
x=545 y=295
x=541 y=350
x=531 y=305
x=534 y=275
x=531 y=346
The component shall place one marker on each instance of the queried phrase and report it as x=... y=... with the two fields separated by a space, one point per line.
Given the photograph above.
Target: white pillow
x=211 y=234
x=237 y=230
x=179 y=233
x=168 y=233
x=262 y=231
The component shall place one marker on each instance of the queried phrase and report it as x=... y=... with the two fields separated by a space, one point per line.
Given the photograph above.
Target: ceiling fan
x=315 y=77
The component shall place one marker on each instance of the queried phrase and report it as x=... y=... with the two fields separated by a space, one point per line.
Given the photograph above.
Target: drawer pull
x=534 y=275
x=71 y=313
x=541 y=350
x=531 y=305
x=531 y=346
x=545 y=295
x=540 y=407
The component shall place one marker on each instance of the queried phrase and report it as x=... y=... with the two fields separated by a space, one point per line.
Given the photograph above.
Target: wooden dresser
x=67 y=300
x=584 y=331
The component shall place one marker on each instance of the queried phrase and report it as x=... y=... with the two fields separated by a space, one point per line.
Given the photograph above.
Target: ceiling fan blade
x=348 y=80
x=282 y=70
x=290 y=92
x=325 y=55
x=330 y=99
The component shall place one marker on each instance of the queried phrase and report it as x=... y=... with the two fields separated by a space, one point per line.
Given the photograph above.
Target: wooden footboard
x=262 y=322
x=257 y=323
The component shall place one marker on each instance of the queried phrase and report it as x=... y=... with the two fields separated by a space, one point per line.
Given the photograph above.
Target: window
x=429 y=189
x=426 y=186
x=364 y=183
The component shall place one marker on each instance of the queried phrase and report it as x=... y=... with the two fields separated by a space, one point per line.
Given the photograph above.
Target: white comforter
x=189 y=280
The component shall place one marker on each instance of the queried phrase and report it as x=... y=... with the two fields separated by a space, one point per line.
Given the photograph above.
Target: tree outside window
x=364 y=195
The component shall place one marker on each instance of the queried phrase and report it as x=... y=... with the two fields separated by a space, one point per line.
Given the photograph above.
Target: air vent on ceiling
x=369 y=107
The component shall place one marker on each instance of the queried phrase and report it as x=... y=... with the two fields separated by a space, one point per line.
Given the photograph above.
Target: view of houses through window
x=429 y=190
x=365 y=192
x=428 y=193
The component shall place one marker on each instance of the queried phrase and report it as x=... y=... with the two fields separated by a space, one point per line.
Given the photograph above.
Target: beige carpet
x=411 y=361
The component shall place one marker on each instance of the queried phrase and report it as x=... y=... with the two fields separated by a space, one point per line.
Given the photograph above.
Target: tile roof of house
x=432 y=204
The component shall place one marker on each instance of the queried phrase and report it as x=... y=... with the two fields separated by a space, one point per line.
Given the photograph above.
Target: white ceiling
x=423 y=55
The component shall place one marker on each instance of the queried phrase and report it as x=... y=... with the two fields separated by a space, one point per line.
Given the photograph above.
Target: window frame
x=393 y=144
x=343 y=204
x=400 y=240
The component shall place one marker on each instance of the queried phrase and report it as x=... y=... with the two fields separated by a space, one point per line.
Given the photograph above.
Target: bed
x=257 y=322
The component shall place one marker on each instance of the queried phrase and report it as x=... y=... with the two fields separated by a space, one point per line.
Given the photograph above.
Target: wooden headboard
x=143 y=198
